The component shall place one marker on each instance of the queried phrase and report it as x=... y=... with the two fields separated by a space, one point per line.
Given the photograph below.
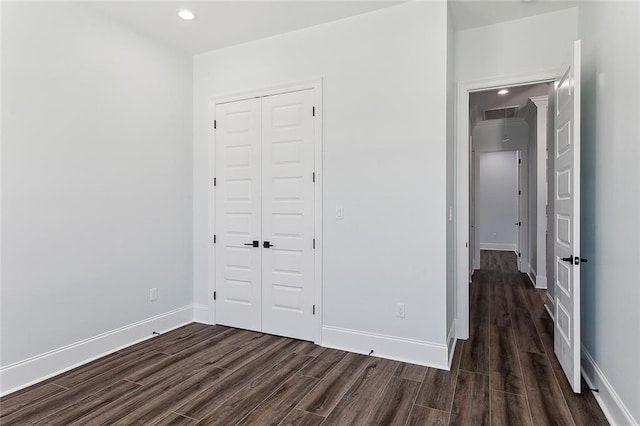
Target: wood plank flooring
x=505 y=374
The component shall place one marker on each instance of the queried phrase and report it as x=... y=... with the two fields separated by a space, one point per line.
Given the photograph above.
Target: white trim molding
x=541 y=103
x=532 y=275
x=612 y=406
x=202 y=314
x=499 y=247
x=389 y=347
x=541 y=282
x=550 y=306
x=451 y=342
x=32 y=370
x=538 y=281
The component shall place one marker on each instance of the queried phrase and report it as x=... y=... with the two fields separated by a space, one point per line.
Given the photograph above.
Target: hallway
x=510 y=352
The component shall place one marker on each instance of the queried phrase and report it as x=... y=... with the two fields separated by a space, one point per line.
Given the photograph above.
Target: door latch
x=255 y=243
x=267 y=244
x=574 y=260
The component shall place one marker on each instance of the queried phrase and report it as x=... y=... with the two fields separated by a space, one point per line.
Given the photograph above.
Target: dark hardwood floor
x=505 y=374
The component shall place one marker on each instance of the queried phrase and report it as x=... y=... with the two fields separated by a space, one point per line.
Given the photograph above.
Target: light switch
x=339 y=212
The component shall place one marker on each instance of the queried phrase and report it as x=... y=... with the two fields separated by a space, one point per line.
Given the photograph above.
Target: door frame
x=311 y=84
x=461 y=232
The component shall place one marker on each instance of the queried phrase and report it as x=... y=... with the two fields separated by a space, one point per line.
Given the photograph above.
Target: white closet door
x=238 y=214
x=287 y=215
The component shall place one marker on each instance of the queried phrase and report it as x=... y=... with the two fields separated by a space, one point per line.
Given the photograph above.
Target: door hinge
x=519 y=254
x=215 y=124
x=214 y=295
x=313 y=176
x=314 y=309
x=519 y=192
x=313 y=111
x=214 y=238
x=215 y=181
x=314 y=243
x=519 y=161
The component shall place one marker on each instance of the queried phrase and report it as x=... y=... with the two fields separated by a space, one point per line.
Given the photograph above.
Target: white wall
x=451 y=99
x=522 y=46
x=96 y=177
x=497 y=201
x=384 y=80
x=488 y=135
x=611 y=199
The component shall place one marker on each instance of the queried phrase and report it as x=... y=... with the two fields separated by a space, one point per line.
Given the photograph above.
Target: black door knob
x=267 y=244
x=255 y=243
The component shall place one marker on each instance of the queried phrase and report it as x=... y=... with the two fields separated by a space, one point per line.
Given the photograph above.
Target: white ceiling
x=226 y=23
x=477 y=13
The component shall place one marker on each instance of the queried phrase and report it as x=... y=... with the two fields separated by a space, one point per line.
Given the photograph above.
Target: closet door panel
x=238 y=214
x=287 y=214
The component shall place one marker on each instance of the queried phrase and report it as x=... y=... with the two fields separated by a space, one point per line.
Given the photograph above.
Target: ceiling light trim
x=187 y=15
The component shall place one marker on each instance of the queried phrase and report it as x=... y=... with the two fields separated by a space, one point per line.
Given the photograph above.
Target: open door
x=567 y=218
x=521 y=206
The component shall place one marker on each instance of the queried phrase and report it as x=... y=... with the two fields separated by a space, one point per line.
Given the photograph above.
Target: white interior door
x=287 y=214
x=567 y=219
x=521 y=206
x=238 y=214
x=476 y=223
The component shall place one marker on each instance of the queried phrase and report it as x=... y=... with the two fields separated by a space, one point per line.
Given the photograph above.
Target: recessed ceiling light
x=503 y=92
x=187 y=15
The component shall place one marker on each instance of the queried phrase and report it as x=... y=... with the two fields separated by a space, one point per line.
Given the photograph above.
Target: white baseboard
x=541 y=282
x=612 y=406
x=550 y=306
x=451 y=342
x=498 y=246
x=201 y=314
x=532 y=275
x=390 y=347
x=35 y=369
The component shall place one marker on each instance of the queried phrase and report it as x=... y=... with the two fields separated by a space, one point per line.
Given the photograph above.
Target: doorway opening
x=508 y=129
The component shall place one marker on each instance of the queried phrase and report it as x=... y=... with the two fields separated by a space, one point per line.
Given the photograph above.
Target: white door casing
x=288 y=214
x=566 y=151
x=238 y=214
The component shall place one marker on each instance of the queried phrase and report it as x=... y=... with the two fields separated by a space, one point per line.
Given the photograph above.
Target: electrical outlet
x=400 y=310
x=153 y=294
